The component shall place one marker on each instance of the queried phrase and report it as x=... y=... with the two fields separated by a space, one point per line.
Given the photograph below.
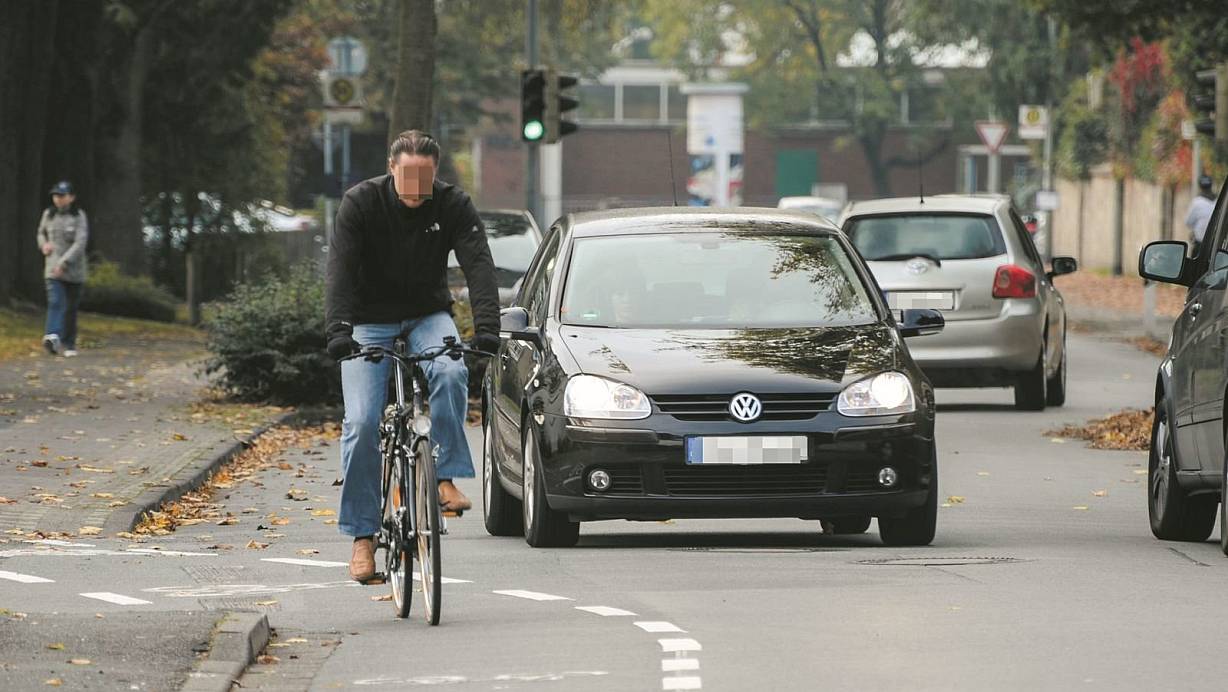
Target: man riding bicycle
x=387 y=268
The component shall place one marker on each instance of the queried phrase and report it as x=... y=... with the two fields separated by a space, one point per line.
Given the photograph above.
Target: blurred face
x=62 y=201
x=414 y=177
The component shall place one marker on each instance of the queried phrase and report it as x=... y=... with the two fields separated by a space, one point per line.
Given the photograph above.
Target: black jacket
x=387 y=262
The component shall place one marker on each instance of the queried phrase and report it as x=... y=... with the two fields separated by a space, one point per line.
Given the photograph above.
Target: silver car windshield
x=937 y=236
x=713 y=280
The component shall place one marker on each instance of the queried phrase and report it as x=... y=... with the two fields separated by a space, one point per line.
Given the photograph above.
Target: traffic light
x=1210 y=102
x=557 y=105
x=532 y=105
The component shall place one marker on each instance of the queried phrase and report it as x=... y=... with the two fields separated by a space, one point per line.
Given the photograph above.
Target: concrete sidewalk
x=88 y=444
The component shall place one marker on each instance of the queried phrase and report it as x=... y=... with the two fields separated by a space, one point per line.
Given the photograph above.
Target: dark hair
x=414 y=143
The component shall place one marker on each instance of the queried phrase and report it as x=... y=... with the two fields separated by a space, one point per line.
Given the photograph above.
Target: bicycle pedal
x=453 y=513
x=375 y=579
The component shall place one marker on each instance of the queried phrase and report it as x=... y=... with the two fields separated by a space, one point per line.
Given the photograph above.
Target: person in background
x=63 y=232
x=1200 y=211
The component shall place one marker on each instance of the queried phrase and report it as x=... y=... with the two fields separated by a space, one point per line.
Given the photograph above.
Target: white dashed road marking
x=673 y=665
x=606 y=611
x=24 y=578
x=304 y=563
x=655 y=626
x=682 y=683
x=670 y=646
x=531 y=595
x=117 y=599
x=446 y=580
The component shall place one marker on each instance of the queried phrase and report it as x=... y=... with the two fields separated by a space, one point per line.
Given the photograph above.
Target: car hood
x=671 y=361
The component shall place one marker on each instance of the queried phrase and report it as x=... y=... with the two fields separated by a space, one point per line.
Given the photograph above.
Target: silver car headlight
x=883 y=394
x=587 y=396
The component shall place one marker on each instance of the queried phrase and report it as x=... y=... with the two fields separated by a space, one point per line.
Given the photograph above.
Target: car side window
x=537 y=289
x=1025 y=239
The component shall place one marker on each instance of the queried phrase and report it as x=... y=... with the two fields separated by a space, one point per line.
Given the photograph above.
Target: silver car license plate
x=746 y=450
x=921 y=300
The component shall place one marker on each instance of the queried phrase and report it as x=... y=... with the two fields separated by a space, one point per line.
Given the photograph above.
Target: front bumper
x=651 y=480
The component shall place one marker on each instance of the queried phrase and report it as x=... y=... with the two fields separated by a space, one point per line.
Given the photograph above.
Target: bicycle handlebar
x=454 y=350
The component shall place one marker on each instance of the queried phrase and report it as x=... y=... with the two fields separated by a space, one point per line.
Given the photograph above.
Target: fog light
x=887 y=477
x=599 y=480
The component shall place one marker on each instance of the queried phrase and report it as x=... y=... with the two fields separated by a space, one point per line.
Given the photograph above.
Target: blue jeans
x=364 y=386
x=63 y=297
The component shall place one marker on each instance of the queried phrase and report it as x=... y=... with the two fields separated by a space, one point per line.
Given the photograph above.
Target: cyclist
x=387 y=265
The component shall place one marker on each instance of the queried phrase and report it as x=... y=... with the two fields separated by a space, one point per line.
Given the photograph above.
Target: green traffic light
x=533 y=130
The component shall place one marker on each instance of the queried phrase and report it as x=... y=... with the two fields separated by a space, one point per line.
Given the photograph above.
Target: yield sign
x=992 y=133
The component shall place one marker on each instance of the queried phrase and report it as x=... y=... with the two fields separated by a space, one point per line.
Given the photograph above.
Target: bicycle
x=412 y=520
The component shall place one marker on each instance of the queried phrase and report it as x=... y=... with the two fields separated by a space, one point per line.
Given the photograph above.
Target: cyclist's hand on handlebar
x=484 y=341
x=342 y=345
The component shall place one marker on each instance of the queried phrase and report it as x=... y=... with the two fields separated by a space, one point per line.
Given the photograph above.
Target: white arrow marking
x=24 y=578
x=117 y=599
x=531 y=595
x=605 y=611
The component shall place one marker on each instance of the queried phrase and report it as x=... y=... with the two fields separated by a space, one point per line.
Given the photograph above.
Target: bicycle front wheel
x=428 y=526
x=398 y=563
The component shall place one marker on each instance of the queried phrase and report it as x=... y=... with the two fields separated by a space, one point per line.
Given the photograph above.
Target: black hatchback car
x=690 y=363
x=1186 y=472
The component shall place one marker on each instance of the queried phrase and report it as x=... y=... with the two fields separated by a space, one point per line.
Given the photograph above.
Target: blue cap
x=62 y=188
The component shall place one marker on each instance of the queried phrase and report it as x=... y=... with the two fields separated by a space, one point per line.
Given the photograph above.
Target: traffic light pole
x=533 y=155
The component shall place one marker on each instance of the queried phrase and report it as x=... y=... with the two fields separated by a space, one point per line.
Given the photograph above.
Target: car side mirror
x=1164 y=260
x=1062 y=266
x=918 y=322
x=514 y=325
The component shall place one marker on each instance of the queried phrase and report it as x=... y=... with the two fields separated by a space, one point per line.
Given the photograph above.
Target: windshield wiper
x=907 y=256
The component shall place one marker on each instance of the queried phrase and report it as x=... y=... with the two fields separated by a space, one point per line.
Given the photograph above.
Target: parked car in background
x=972 y=258
x=688 y=363
x=823 y=206
x=1186 y=470
x=513 y=237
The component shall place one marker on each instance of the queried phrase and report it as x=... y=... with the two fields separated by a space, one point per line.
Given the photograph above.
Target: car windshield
x=938 y=236
x=511 y=240
x=713 y=280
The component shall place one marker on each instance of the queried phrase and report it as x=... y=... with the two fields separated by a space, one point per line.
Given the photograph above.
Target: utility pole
x=533 y=154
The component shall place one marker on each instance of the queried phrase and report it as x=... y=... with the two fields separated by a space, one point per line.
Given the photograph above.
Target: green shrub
x=111 y=292
x=267 y=340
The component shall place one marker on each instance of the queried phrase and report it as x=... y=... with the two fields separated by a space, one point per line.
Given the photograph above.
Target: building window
x=641 y=102
x=677 y=103
x=596 y=102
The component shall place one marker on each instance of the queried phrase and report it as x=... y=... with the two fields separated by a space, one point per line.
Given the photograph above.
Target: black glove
x=485 y=341
x=341 y=341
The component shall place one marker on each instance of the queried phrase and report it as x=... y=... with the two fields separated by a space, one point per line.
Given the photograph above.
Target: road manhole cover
x=938 y=561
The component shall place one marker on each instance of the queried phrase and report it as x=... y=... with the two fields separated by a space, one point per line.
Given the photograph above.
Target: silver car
x=971 y=257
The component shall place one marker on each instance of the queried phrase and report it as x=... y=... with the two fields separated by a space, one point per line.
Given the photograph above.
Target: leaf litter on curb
x=1127 y=430
x=261 y=455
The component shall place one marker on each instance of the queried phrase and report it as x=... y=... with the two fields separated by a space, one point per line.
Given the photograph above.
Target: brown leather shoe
x=451 y=499
x=362 y=562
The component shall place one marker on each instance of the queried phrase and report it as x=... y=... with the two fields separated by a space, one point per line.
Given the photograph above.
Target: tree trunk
x=27 y=53
x=411 y=97
x=872 y=149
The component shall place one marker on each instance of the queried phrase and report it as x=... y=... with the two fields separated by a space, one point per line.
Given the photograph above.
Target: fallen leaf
x=54 y=682
x=256 y=545
x=385 y=597
x=1081 y=508
x=330 y=521
x=267 y=603
x=267 y=659
x=1140 y=472
x=57 y=646
x=104 y=496
x=284 y=466
x=6 y=501
x=307 y=551
x=1100 y=493
x=230 y=520
x=117 y=503
x=296 y=640
x=1057 y=440
x=956 y=499
x=79 y=661
x=280 y=521
x=94 y=469
x=89 y=530
x=323 y=513
x=277 y=645
x=39 y=463
x=179 y=437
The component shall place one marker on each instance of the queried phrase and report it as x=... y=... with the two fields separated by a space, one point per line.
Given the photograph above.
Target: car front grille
x=783 y=479
x=715 y=407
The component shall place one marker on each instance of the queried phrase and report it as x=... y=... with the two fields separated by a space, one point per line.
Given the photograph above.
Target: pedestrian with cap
x=63 y=232
x=1201 y=208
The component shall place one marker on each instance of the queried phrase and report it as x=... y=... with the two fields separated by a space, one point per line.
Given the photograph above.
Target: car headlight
x=883 y=394
x=587 y=396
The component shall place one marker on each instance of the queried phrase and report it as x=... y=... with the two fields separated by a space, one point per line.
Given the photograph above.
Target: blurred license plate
x=774 y=449
x=921 y=300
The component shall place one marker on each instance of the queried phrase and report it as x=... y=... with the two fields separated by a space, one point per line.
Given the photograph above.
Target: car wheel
x=1056 y=387
x=917 y=527
x=543 y=527
x=1031 y=385
x=500 y=511
x=1175 y=515
x=851 y=525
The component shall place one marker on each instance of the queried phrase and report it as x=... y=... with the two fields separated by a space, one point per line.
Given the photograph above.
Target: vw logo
x=745 y=407
x=917 y=266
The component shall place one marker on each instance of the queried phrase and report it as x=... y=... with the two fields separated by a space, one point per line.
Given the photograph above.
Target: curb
x=193 y=477
x=237 y=640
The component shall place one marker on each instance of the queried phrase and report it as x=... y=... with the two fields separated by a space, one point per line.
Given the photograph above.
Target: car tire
x=1031 y=385
x=918 y=525
x=1174 y=514
x=500 y=510
x=848 y=526
x=1055 y=389
x=543 y=527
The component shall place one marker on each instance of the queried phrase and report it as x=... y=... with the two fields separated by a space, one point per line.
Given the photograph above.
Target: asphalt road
x=1044 y=575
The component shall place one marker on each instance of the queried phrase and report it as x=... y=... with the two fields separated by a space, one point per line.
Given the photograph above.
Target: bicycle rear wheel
x=428 y=526
x=398 y=563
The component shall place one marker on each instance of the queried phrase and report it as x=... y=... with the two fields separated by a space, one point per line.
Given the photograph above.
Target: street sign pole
x=533 y=154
